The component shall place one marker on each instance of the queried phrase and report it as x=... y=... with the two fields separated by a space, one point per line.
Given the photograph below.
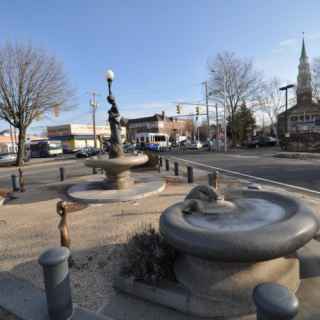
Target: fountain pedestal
x=230 y=284
x=117 y=170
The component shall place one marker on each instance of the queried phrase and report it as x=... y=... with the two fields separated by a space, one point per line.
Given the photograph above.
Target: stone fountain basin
x=116 y=165
x=257 y=226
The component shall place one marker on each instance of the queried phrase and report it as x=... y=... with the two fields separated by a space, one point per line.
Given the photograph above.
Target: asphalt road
x=43 y=171
x=261 y=163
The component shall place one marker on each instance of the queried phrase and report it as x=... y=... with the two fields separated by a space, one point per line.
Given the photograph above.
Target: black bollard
x=94 y=170
x=160 y=162
x=176 y=168
x=57 y=282
x=61 y=171
x=167 y=165
x=274 y=301
x=14 y=181
x=190 y=174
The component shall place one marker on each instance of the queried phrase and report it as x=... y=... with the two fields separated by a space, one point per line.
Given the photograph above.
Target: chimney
x=163 y=114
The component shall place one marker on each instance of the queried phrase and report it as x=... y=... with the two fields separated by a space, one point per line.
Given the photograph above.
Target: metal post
x=217 y=129
x=160 y=162
x=190 y=174
x=286 y=114
x=57 y=283
x=213 y=179
x=61 y=171
x=207 y=108
x=21 y=181
x=225 y=112
x=167 y=165
x=176 y=168
x=274 y=301
x=94 y=170
x=14 y=181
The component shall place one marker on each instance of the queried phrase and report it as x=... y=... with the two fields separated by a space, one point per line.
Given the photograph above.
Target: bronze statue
x=116 y=149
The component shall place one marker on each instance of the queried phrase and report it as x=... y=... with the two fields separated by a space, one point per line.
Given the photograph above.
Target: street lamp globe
x=109 y=75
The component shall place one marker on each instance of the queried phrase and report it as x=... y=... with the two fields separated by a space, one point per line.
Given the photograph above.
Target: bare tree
x=32 y=83
x=234 y=79
x=271 y=101
x=316 y=78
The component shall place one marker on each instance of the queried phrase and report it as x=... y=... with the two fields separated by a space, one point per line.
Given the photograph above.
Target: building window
x=301 y=118
x=307 y=118
x=294 y=118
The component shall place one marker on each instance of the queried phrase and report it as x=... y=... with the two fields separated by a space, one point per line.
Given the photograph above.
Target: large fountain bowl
x=117 y=169
x=116 y=165
x=247 y=226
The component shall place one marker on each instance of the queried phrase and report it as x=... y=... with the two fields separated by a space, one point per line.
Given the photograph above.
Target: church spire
x=304 y=88
x=303 y=51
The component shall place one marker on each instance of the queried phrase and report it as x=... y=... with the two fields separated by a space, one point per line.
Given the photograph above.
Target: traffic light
x=178 y=109
x=197 y=111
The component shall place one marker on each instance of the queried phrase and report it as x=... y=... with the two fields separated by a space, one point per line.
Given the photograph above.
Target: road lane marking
x=244 y=175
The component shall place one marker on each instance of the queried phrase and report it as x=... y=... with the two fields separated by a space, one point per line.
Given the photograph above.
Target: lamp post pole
x=94 y=106
x=207 y=107
x=224 y=111
x=285 y=88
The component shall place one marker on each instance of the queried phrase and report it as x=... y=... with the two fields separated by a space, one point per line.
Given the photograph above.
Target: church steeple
x=303 y=51
x=304 y=87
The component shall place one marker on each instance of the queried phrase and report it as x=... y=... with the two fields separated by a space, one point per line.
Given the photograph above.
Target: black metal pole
x=286 y=114
x=167 y=165
x=160 y=162
x=190 y=174
x=176 y=168
x=61 y=171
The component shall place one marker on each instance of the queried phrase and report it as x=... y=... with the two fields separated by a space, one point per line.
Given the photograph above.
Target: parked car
x=87 y=152
x=197 y=145
x=7 y=159
x=261 y=142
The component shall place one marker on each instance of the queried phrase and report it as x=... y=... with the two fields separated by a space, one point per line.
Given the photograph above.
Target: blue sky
x=158 y=49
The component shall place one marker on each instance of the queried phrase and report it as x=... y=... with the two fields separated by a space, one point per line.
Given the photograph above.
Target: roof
x=298 y=109
x=155 y=117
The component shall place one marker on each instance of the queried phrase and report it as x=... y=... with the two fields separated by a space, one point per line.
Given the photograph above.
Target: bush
x=148 y=257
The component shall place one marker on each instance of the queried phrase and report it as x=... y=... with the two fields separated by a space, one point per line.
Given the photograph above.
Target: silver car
x=7 y=159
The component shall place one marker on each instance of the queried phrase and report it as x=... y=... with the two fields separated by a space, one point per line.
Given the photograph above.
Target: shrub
x=148 y=257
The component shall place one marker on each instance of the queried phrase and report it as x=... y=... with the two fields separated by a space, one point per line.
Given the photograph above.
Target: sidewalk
x=29 y=226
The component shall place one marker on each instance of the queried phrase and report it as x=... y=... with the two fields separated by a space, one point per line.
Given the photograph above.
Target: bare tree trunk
x=21 y=147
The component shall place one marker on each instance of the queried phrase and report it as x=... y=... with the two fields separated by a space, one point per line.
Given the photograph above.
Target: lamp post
x=109 y=77
x=285 y=88
x=94 y=105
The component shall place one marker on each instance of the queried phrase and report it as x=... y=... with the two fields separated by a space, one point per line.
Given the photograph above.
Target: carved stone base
x=119 y=181
x=231 y=284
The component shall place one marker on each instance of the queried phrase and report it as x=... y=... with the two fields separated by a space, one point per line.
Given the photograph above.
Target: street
x=261 y=163
x=43 y=171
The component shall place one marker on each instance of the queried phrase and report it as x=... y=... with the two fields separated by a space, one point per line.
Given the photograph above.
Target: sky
x=158 y=49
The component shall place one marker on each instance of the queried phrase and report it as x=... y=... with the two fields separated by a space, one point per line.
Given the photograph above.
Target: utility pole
x=217 y=129
x=224 y=111
x=94 y=105
x=205 y=83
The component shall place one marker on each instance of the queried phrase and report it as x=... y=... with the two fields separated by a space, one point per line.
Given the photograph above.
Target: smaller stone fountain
x=118 y=184
x=227 y=245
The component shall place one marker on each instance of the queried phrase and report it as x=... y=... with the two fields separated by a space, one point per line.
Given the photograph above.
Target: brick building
x=159 y=123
